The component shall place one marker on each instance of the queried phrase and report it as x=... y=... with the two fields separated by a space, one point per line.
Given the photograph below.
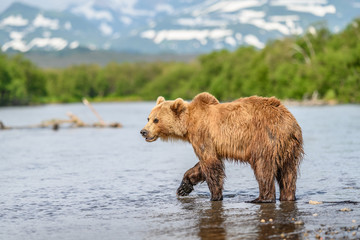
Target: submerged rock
x=346 y=209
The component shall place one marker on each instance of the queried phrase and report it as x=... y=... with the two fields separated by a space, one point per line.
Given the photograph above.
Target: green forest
x=290 y=68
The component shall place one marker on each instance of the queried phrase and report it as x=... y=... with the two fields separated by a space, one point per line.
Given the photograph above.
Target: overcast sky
x=45 y=4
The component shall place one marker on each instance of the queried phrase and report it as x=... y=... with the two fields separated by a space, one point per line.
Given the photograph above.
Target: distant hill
x=319 y=63
x=165 y=26
x=66 y=58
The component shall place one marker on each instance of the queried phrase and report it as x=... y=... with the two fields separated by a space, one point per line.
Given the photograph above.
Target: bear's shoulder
x=205 y=98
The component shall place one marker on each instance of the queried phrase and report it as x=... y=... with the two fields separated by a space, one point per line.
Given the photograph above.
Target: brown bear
x=255 y=130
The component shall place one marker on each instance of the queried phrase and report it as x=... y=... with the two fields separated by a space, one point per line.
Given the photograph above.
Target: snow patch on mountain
x=316 y=7
x=192 y=22
x=231 y=41
x=14 y=21
x=247 y=16
x=149 y=34
x=105 y=29
x=74 y=44
x=230 y=6
x=257 y=18
x=126 y=20
x=316 y=10
x=87 y=9
x=167 y=8
x=286 y=29
x=128 y=7
x=16 y=35
x=185 y=35
x=41 y=21
x=20 y=45
x=284 y=18
x=92 y=47
x=254 y=41
x=55 y=43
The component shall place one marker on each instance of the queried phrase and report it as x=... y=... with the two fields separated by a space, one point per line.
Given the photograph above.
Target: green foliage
x=168 y=82
x=21 y=82
x=289 y=68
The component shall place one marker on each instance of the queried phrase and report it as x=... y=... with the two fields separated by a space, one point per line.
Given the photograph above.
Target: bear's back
x=255 y=100
x=247 y=127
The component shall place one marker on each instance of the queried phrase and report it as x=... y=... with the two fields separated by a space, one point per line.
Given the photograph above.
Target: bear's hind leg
x=286 y=179
x=266 y=181
x=191 y=177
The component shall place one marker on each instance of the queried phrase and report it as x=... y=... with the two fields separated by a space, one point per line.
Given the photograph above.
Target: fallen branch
x=87 y=103
x=73 y=122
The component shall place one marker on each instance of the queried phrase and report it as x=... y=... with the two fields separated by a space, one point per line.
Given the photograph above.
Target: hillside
x=291 y=68
x=165 y=26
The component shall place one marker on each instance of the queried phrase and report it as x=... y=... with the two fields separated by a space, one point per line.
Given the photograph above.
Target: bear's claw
x=185 y=189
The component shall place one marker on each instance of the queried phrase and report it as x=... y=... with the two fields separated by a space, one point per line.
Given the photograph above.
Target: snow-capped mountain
x=184 y=26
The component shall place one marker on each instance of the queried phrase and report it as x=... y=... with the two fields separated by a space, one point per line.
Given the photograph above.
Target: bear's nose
x=144 y=132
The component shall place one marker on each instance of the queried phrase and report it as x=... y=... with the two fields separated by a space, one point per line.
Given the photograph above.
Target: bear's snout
x=149 y=137
x=144 y=132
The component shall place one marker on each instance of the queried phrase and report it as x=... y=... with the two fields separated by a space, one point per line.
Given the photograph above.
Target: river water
x=87 y=183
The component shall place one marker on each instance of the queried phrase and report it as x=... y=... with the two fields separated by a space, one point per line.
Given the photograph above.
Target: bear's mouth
x=151 y=139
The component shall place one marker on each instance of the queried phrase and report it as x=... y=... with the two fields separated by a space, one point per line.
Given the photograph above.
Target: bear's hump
x=205 y=98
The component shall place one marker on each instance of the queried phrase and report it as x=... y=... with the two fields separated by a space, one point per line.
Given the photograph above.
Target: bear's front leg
x=191 y=177
x=214 y=173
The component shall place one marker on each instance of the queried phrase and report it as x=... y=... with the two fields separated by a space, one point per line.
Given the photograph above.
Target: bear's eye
x=148 y=119
x=156 y=120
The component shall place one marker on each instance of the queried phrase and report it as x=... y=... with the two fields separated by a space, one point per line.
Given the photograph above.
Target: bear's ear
x=205 y=98
x=159 y=100
x=178 y=106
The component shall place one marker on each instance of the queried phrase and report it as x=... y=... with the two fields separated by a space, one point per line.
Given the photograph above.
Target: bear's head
x=167 y=120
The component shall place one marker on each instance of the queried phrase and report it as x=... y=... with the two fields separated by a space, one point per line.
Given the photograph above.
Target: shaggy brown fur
x=259 y=131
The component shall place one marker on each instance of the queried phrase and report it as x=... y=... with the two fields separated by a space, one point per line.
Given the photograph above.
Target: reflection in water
x=282 y=223
x=211 y=219
x=211 y=222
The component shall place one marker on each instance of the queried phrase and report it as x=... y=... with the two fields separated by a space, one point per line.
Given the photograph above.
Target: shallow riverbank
x=104 y=183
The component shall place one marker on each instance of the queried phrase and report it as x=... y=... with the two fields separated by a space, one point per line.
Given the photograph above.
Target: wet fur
x=255 y=130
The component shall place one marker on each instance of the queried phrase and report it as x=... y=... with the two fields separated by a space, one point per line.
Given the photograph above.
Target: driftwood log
x=73 y=121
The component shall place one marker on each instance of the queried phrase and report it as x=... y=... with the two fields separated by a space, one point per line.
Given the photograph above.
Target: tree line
x=290 y=68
